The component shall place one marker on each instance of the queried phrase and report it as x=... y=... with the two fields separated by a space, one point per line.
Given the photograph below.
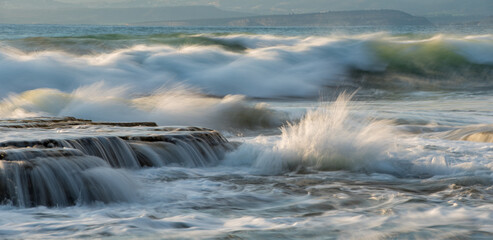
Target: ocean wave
x=106 y=43
x=474 y=133
x=329 y=139
x=336 y=136
x=172 y=105
x=263 y=66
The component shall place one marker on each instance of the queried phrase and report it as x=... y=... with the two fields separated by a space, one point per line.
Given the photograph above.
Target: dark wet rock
x=78 y=168
x=66 y=122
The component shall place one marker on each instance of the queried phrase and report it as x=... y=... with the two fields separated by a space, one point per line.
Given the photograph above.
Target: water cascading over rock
x=75 y=169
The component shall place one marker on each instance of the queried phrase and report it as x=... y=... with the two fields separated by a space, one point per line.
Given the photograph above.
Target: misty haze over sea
x=121 y=12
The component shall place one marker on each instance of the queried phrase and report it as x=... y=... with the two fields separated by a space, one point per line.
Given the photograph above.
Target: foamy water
x=362 y=134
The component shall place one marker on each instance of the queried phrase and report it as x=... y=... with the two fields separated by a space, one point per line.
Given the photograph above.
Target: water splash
x=327 y=138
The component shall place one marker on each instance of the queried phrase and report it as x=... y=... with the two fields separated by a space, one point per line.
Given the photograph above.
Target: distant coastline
x=205 y=16
x=336 y=18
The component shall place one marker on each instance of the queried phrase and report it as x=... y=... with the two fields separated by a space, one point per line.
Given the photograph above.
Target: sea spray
x=168 y=105
x=431 y=178
x=339 y=136
x=328 y=138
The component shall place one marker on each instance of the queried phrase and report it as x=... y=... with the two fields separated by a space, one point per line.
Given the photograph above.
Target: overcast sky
x=417 y=7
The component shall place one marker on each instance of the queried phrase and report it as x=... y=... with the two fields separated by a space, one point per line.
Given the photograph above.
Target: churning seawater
x=321 y=133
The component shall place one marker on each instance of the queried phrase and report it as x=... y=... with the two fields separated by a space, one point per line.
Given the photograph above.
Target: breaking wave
x=106 y=43
x=327 y=138
x=254 y=65
x=336 y=136
x=474 y=133
x=173 y=105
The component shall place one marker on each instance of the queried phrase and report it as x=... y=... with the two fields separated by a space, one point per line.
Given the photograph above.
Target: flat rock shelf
x=66 y=161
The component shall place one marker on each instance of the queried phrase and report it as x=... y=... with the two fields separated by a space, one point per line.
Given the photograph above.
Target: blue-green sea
x=304 y=133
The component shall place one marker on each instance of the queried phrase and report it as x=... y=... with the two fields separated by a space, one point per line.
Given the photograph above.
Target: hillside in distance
x=339 y=18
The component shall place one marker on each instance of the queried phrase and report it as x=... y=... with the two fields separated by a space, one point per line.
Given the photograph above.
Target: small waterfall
x=193 y=150
x=179 y=153
x=62 y=181
x=61 y=172
x=187 y=149
x=113 y=150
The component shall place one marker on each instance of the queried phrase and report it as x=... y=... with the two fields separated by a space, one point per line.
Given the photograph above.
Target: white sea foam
x=172 y=105
x=326 y=138
x=346 y=169
x=338 y=136
x=271 y=66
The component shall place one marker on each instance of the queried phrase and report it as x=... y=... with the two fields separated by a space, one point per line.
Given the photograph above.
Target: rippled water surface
x=321 y=133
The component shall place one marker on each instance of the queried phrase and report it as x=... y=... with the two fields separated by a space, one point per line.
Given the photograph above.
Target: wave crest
x=173 y=105
x=265 y=66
